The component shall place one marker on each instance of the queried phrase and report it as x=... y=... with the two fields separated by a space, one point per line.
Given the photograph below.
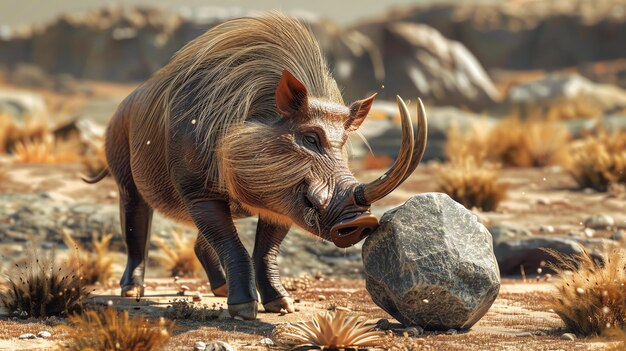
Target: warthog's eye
x=311 y=141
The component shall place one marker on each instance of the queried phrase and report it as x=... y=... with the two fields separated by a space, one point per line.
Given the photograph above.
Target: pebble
x=197 y=297
x=414 y=331
x=26 y=336
x=589 y=232
x=267 y=342
x=599 y=221
x=546 y=229
x=568 y=336
x=282 y=312
x=544 y=201
x=44 y=334
x=219 y=346
x=618 y=235
x=200 y=346
x=524 y=334
x=383 y=324
x=321 y=298
x=452 y=332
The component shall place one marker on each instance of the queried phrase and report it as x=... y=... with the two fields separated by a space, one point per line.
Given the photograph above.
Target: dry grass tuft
x=472 y=184
x=331 y=330
x=511 y=142
x=47 y=151
x=11 y=132
x=591 y=296
x=94 y=266
x=110 y=329
x=180 y=258
x=183 y=309
x=39 y=288
x=599 y=161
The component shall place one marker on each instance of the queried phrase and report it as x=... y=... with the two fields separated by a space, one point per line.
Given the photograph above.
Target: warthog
x=245 y=120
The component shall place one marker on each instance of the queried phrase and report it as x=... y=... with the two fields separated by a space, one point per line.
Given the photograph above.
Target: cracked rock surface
x=431 y=264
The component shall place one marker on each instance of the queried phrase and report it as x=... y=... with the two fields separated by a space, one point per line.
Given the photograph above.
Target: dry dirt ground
x=518 y=320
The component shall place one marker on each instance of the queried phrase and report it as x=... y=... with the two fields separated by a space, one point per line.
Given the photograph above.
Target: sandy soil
x=518 y=320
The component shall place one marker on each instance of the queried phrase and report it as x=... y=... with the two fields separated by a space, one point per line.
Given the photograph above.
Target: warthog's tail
x=103 y=173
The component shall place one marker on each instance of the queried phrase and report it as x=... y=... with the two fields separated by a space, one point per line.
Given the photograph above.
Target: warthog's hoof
x=133 y=290
x=246 y=310
x=281 y=303
x=221 y=291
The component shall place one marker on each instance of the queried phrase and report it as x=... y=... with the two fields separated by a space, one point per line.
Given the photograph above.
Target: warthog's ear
x=291 y=94
x=358 y=111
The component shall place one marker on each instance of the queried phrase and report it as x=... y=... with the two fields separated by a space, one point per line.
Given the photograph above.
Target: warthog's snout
x=352 y=228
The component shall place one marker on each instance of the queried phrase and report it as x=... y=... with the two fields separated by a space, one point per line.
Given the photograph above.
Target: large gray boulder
x=431 y=264
x=419 y=61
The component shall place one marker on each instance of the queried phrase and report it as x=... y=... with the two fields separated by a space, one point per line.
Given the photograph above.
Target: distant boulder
x=563 y=97
x=419 y=61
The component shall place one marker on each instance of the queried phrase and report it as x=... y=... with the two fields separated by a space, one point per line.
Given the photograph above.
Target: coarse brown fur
x=245 y=120
x=217 y=82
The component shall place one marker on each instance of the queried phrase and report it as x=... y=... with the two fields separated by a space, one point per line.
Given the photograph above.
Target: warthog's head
x=296 y=170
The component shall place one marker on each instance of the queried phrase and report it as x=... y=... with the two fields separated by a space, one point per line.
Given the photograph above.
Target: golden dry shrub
x=47 y=151
x=12 y=132
x=472 y=184
x=512 y=142
x=40 y=288
x=332 y=331
x=113 y=330
x=179 y=258
x=93 y=266
x=590 y=296
x=599 y=160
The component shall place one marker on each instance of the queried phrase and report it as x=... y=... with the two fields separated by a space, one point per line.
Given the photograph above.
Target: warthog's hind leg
x=266 y=248
x=136 y=218
x=211 y=264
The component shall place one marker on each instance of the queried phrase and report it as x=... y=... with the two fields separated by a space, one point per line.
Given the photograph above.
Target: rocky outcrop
x=545 y=34
x=563 y=97
x=131 y=43
x=431 y=264
x=419 y=61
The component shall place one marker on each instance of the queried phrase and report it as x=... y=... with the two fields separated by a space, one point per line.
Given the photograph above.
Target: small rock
x=283 y=312
x=239 y=318
x=321 y=298
x=414 y=331
x=543 y=201
x=267 y=342
x=618 y=235
x=26 y=336
x=524 y=334
x=200 y=346
x=599 y=222
x=44 y=334
x=589 y=232
x=451 y=332
x=197 y=297
x=383 y=324
x=546 y=229
x=503 y=232
x=219 y=346
x=568 y=336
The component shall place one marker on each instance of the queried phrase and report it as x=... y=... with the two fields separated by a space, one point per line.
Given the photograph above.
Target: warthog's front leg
x=266 y=249
x=213 y=219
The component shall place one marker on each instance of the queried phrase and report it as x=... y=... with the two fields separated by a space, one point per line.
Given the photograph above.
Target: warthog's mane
x=229 y=75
